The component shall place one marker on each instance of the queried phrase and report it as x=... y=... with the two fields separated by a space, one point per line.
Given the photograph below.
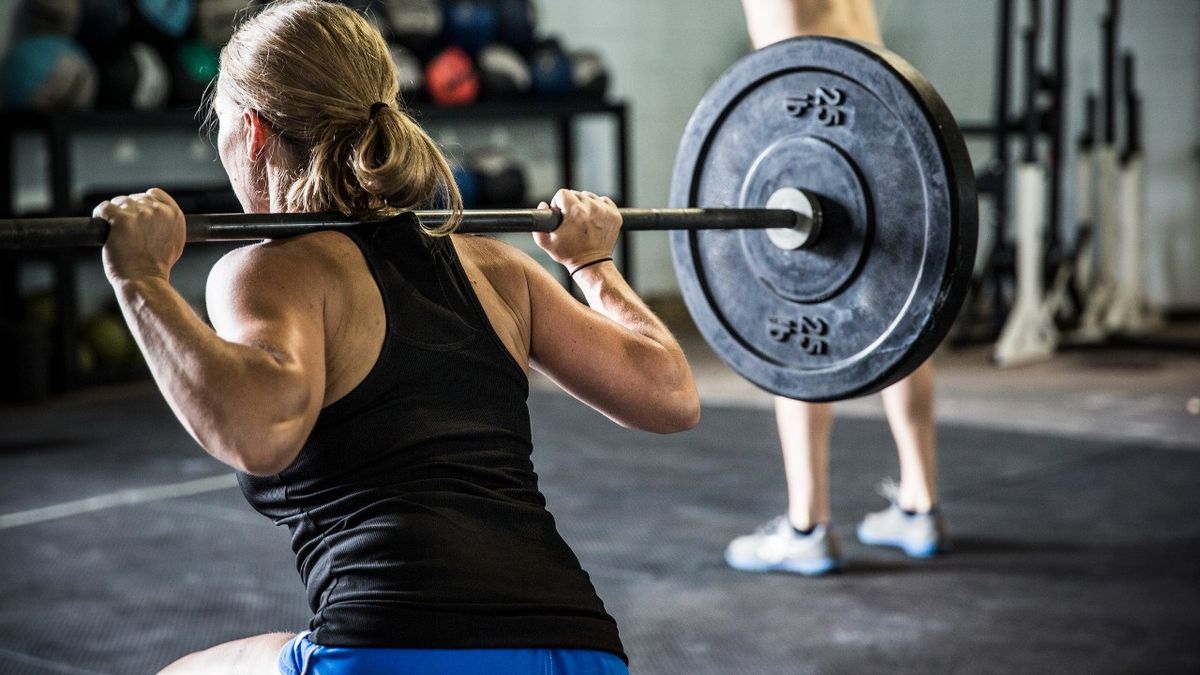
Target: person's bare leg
x=258 y=655
x=909 y=408
x=804 y=430
x=773 y=20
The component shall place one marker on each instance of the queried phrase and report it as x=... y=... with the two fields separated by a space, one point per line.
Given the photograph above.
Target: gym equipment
x=1029 y=334
x=162 y=22
x=109 y=340
x=193 y=65
x=516 y=23
x=216 y=19
x=106 y=21
x=826 y=211
x=551 y=70
x=1099 y=295
x=48 y=73
x=468 y=185
x=450 y=78
x=416 y=24
x=1130 y=311
x=133 y=76
x=501 y=177
x=503 y=73
x=469 y=24
x=408 y=70
x=865 y=301
x=48 y=16
x=589 y=75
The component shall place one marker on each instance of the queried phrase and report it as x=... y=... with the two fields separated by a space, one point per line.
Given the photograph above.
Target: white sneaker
x=920 y=535
x=778 y=547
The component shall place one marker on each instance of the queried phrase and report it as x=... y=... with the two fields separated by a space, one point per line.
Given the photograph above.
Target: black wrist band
x=588 y=264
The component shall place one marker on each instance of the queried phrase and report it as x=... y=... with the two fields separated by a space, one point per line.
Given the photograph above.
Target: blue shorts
x=301 y=657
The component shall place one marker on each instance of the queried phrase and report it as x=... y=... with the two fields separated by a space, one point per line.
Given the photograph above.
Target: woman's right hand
x=589 y=229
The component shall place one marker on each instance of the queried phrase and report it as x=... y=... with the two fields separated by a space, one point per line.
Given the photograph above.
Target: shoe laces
x=889 y=489
x=774 y=525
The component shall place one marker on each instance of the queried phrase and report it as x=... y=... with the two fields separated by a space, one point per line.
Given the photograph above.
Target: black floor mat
x=1070 y=556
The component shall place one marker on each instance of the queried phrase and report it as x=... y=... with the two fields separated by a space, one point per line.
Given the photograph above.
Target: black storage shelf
x=59 y=129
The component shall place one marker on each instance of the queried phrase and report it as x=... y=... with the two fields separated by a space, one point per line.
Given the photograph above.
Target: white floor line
x=119 y=498
x=52 y=666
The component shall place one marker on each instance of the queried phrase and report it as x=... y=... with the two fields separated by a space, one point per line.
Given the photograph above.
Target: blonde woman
x=369 y=386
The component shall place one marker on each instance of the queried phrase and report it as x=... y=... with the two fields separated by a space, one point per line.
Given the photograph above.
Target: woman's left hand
x=146 y=235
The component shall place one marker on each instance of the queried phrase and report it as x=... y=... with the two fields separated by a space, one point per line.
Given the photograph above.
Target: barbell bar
x=29 y=233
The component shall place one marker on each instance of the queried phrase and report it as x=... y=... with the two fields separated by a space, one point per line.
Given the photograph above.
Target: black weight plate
x=872 y=297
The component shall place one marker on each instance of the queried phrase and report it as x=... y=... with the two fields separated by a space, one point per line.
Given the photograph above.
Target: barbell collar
x=23 y=233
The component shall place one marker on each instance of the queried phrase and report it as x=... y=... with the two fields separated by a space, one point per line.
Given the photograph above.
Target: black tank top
x=413 y=506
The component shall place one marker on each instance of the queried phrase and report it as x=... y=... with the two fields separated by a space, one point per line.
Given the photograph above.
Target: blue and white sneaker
x=778 y=547
x=920 y=535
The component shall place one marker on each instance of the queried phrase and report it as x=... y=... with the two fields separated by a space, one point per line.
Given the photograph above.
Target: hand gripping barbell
x=823 y=212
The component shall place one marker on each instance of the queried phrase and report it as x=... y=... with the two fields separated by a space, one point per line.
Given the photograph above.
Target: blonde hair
x=314 y=71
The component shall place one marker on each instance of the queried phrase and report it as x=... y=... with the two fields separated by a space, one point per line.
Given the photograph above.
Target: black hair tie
x=375 y=108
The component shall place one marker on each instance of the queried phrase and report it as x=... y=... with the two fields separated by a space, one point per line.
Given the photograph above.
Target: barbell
x=823 y=217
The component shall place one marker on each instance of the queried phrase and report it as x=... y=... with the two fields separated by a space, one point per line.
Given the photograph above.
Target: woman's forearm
x=658 y=361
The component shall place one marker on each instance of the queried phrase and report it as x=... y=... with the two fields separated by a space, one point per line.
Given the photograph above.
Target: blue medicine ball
x=551 y=70
x=168 y=17
x=104 y=23
x=468 y=185
x=516 y=24
x=470 y=24
x=48 y=72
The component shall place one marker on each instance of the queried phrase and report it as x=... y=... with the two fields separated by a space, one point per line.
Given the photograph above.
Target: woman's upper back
x=338 y=276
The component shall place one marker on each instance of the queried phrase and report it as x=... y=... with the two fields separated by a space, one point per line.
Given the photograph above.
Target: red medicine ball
x=451 y=78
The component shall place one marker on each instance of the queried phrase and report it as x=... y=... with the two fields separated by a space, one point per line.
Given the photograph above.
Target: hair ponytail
x=398 y=163
x=318 y=71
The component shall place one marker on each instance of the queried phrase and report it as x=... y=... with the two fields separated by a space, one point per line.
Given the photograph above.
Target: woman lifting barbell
x=369 y=385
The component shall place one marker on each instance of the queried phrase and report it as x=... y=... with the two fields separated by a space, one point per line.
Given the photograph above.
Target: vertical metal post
x=626 y=198
x=566 y=161
x=1001 y=153
x=64 y=377
x=10 y=295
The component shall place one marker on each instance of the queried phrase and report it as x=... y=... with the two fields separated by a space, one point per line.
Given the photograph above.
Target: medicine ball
x=516 y=24
x=133 y=76
x=47 y=16
x=49 y=73
x=502 y=72
x=161 y=23
x=408 y=71
x=105 y=23
x=450 y=78
x=216 y=19
x=468 y=185
x=501 y=177
x=470 y=24
x=193 y=65
x=109 y=339
x=551 y=70
x=589 y=74
x=416 y=24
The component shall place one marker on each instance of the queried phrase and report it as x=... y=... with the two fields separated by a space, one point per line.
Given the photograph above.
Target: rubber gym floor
x=1072 y=491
